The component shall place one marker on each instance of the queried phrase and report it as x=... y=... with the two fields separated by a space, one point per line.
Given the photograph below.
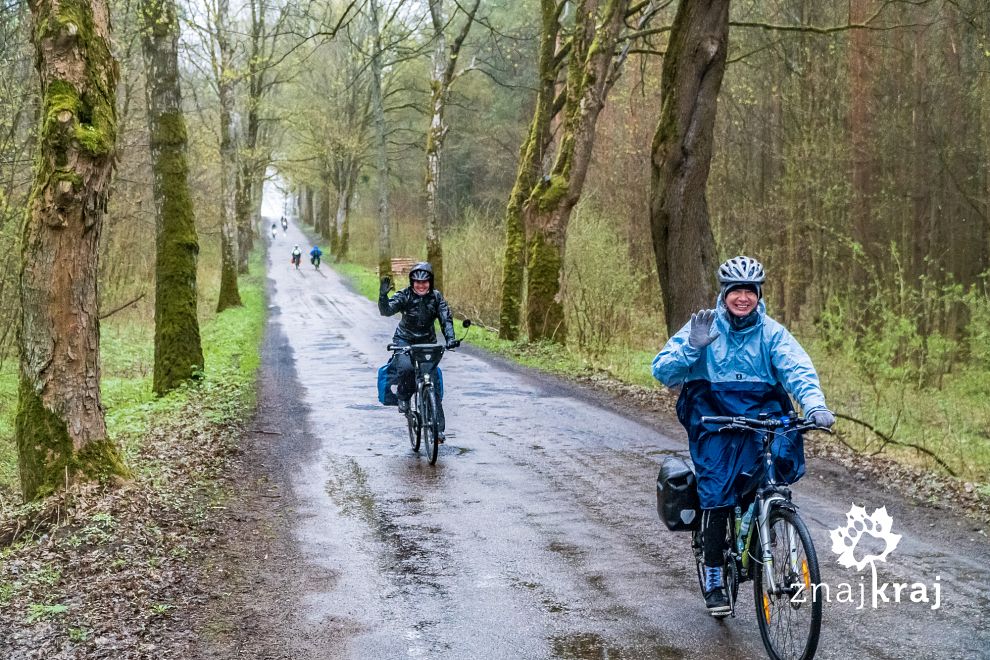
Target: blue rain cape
x=743 y=372
x=722 y=460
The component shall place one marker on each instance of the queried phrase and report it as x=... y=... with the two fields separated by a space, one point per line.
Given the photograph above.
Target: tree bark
x=229 y=294
x=547 y=211
x=681 y=158
x=381 y=152
x=178 y=351
x=441 y=78
x=865 y=231
x=528 y=174
x=243 y=198
x=60 y=429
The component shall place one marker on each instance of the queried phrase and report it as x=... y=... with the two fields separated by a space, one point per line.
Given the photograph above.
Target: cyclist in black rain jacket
x=421 y=305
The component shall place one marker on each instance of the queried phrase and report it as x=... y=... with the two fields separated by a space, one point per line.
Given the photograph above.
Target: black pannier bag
x=677 y=496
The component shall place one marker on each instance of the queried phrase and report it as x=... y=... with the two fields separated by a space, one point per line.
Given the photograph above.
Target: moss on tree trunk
x=527 y=176
x=178 y=350
x=547 y=211
x=60 y=430
x=544 y=311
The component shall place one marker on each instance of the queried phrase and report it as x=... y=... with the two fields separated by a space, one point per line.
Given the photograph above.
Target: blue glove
x=823 y=417
x=703 y=330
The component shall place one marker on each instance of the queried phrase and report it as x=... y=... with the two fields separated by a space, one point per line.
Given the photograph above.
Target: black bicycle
x=423 y=418
x=771 y=545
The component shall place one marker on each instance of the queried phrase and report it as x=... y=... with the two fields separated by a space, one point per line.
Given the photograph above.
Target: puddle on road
x=363 y=406
x=590 y=646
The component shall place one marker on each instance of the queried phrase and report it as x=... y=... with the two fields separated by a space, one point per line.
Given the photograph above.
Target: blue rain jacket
x=743 y=372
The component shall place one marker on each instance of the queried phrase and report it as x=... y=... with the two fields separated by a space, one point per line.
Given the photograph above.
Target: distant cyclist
x=285 y=225
x=735 y=360
x=296 y=256
x=274 y=231
x=314 y=256
x=421 y=306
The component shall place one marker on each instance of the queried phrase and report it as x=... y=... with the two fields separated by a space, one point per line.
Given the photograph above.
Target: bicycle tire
x=430 y=424
x=784 y=637
x=412 y=420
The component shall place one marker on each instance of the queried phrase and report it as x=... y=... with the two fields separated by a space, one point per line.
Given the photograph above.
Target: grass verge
x=108 y=572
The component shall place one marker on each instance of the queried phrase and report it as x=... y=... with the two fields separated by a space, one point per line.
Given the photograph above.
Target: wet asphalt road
x=536 y=534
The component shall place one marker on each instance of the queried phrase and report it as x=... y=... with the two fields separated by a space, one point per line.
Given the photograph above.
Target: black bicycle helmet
x=421 y=272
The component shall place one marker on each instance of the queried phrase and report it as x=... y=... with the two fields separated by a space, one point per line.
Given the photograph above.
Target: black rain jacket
x=418 y=315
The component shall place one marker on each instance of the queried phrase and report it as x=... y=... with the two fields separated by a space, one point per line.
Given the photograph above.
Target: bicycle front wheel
x=412 y=420
x=430 y=424
x=787 y=606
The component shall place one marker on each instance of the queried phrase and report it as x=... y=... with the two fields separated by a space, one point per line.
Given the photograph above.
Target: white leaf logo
x=845 y=539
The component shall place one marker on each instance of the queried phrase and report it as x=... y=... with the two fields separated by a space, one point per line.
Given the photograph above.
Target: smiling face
x=741 y=302
x=421 y=288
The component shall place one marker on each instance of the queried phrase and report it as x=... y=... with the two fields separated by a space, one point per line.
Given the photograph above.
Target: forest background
x=850 y=155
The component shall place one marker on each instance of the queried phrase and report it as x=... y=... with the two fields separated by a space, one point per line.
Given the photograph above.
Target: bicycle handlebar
x=405 y=348
x=750 y=424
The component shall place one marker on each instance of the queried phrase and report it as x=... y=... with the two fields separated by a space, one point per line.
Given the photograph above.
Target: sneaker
x=403 y=406
x=441 y=437
x=716 y=599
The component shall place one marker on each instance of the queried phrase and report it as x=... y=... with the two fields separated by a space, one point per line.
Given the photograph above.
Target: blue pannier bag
x=386 y=385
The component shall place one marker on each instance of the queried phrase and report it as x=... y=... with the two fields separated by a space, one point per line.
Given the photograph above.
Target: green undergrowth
x=626 y=365
x=231 y=343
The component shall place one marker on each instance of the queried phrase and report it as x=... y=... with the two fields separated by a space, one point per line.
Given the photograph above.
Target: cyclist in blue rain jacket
x=421 y=306
x=736 y=360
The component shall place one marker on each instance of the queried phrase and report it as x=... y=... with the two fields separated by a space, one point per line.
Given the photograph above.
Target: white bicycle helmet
x=741 y=270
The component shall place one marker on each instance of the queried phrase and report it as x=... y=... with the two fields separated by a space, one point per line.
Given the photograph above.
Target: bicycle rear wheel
x=429 y=424
x=790 y=629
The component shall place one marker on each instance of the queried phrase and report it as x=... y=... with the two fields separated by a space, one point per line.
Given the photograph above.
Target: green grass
x=231 y=351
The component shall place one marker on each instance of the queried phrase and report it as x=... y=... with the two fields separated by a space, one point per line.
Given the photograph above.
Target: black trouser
x=714 y=530
x=405 y=377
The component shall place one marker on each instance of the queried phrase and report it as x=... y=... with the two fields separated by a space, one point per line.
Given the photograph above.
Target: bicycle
x=296 y=259
x=771 y=545
x=422 y=419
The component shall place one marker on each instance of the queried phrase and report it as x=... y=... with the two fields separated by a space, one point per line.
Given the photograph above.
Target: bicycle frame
x=770 y=494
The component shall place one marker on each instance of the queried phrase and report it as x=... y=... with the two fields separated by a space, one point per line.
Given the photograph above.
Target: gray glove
x=703 y=330
x=823 y=417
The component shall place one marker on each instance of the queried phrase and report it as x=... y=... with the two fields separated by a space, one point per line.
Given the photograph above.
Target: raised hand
x=703 y=330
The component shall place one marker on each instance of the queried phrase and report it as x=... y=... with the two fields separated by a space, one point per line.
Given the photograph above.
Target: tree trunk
x=441 y=78
x=864 y=226
x=342 y=219
x=324 y=223
x=528 y=174
x=60 y=429
x=178 y=352
x=547 y=211
x=439 y=86
x=242 y=204
x=681 y=158
x=229 y=294
x=381 y=153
